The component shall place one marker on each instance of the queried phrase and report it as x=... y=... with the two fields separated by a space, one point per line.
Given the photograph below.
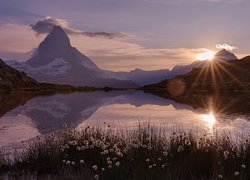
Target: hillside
x=9 y=77
x=214 y=76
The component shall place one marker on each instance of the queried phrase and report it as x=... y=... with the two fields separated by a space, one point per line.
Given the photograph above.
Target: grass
x=103 y=153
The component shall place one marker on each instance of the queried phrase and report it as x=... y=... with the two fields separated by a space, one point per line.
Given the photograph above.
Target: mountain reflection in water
x=26 y=115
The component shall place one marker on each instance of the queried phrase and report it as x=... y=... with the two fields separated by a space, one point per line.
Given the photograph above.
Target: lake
x=25 y=116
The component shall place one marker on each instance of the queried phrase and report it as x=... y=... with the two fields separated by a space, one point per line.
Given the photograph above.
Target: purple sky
x=123 y=35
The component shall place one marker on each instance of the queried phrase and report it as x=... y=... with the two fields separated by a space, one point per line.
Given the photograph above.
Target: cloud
x=115 y=54
x=225 y=46
x=119 y=55
x=172 y=2
x=47 y=24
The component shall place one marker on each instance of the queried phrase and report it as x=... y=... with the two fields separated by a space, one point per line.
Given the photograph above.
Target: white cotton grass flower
x=165 y=148
x=117 y=164
x=73 y=163
x=180 y=148
x=64 y=161
x=220 y=176
x=154 y=165
x=236 y=173
x=103 y=169
x=225 y=155
x=163 y=166
x=147 y=160
x=165 y=153
x=96 y=176
x=150 y=166
x=68 y=162
x=81 y=161
x=94 y=167
x=187 y=142
x=243 y=166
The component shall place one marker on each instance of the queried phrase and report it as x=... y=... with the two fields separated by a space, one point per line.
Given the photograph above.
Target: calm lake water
x=25 y=118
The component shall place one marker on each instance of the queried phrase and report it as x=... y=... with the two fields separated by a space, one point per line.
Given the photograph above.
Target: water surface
x=25 y=118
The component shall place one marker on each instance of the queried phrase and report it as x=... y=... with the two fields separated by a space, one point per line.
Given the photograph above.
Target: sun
x=209 y=55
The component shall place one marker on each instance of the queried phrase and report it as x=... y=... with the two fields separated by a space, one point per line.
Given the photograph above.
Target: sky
x=124 y=35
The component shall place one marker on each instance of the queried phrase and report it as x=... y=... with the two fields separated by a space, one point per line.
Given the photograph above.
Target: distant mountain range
x=142 y=77
x=213 y=76
x=56 y=61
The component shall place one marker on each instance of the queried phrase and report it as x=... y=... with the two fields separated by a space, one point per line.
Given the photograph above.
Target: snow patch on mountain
x=56 y=67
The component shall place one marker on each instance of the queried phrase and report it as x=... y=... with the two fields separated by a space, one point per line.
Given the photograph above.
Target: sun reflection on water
x=209 y=119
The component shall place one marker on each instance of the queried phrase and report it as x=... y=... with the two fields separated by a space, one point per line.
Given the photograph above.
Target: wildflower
x=119 y=154
x=66 y=146
x=115 y=158
x=103 y=169
x=74 y=143
x=91 y=146
x=109 y=162
x=117 y=164
x=144 y=146
x=159 y=159
x=111 y=150
x=68 y=162
x=225 y=154
x=238 y=154
x=64 y=161
x=78 y=148
x=94 y=167
x=86 y=142
x=150 y=166
x=236 y=173
x=243 y=166
x=154 y=165
x=96 y=176
x=125 y=151
x=108 y=158
x=165 y=153
x=163 y=166
x=147 y=160
x=81 y=161
x=73 y=163
x=180 y=148
x=187 y=142
x=165 y=148
x=220 y=176
x=109 y=166
x=149 y=147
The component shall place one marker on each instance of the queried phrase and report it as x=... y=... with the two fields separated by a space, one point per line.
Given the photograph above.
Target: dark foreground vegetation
x=95 y=153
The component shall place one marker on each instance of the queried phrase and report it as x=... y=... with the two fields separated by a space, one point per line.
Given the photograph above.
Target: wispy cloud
x=47 y=24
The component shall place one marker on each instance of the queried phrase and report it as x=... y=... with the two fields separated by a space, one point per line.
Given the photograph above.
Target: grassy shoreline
x=95 y=153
